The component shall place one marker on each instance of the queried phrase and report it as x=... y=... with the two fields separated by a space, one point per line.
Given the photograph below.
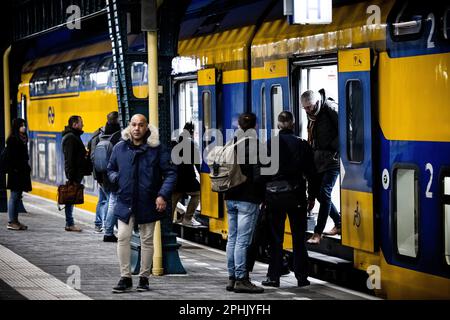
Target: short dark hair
x=113 y=117
x=285 y=120
x=74 y=119
x=247 y=120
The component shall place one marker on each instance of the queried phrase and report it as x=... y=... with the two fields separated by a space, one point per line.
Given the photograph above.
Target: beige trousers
x=124 y=248
x=193 y=204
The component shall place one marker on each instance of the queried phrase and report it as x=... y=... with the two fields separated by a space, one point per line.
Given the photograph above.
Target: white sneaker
x=191 y=222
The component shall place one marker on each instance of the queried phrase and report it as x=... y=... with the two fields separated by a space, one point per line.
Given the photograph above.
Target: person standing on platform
x=145 y=177
x=15 y=163
x=76 y=162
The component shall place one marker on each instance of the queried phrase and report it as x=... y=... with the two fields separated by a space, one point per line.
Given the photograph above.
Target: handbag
x=281 y=186
x=70 y=193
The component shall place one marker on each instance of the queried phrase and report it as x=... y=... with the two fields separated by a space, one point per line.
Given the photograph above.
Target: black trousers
x=278 y=207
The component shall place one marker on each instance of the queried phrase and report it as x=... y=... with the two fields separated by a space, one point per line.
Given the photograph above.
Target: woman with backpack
x=18 y=170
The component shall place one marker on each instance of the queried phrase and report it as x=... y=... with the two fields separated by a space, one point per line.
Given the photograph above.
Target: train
x=385 y=63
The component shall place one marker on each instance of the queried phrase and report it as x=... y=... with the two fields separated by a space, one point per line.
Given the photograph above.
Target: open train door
x=207 y=96
x=355 y=139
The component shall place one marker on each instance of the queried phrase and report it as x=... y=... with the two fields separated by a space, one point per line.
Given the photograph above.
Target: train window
x=74 y=82
x=408 y=23
x=103 y=75
x=51 y=157
x=41 y=160
x=55 y=79
x=33 y=157
x=446 y=202
x=406 y=212
x=40 y=83
x=188 y=105
x=355 y=121
x=277 y=104
x=446 y=24
x=139 y=76
x=263 y=109
x=206 y=99
x=88 y=75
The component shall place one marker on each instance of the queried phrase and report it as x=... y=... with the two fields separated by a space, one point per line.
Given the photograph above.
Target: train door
x=210 y=202
x=314 y=73
x=355 y=133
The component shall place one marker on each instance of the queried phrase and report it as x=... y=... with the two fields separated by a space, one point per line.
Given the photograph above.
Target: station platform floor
x=46 y=262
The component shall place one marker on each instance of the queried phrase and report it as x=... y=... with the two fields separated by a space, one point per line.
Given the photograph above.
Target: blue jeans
x=14 y=205
x=102 y=207
x=242 y=217
x=110 y=219
x=69 y=215
x=328 y=179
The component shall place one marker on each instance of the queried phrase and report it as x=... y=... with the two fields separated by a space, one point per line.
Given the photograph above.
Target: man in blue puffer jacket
x=145 y=178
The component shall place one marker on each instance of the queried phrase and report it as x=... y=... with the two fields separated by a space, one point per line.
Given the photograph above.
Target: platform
x=45 y=261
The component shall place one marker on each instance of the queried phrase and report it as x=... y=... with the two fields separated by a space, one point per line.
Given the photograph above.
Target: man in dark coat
x=323 y=136
x=16 y=165
x=286 y=194
x=76 y=163
x=145 y=179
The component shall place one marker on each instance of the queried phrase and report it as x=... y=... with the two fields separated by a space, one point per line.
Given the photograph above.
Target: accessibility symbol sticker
x=357 y=60
x=51 y=115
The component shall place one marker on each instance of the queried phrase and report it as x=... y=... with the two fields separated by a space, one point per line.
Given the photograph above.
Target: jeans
x=69 y=215
x=242 y=217
x=102 y=207
x=328 y=179
x=110 y=219
x=14 y=205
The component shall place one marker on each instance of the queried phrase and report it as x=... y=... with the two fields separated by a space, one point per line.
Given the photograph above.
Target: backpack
x=102 y=152
x=225 y=172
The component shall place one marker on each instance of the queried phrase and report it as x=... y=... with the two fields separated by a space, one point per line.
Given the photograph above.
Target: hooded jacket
x=76 y=164
x=141 y=174
x=17 y=165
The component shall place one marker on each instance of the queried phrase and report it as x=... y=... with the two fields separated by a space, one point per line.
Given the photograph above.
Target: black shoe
x=303 y=282
x=111 y=238
x=245 y=286
x=230 y=285
x=271 y=283
x=143 y=284
x=124 y=285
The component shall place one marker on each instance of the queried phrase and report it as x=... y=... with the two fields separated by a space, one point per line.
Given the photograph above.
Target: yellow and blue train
x=386 y=63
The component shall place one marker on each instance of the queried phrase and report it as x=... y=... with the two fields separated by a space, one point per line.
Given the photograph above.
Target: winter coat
x=76 y=163
x=296 y=165
x=325 y=142
x=142 y=173
x=17 y=166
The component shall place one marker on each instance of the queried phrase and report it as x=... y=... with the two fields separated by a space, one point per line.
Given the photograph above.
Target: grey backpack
x=225 y=171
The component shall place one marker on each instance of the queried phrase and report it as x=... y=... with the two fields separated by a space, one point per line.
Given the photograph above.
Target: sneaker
x=13 y=226
x=303 y=282
x=143 y=284
x=315 y=239
x=98 y=229
x=334 y=231
x=191 y=222
x=109 y=238
x=124 y=285
x=230 y=285
x=73 y=228
x=245 y=286
x=271 y=283
x=23 y=227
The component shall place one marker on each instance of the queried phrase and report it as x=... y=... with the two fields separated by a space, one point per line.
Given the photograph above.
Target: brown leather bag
x=70 y=193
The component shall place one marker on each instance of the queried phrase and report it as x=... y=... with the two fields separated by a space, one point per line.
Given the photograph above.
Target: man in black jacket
x=323 y=136
x=286 y=194
x=76 y=164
